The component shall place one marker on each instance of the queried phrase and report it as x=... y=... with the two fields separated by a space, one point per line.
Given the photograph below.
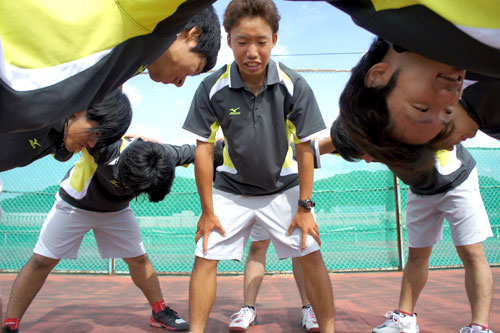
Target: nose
x=91 y=143
x=252 y=51
x=180 y=82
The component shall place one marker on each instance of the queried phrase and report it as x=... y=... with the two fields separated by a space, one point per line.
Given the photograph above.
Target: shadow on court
x=98 y=303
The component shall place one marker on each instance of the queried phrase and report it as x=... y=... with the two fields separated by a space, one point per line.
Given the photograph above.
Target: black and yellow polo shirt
x=58 y=56
x=462 y=33
x=91 y=185
x=258 y=159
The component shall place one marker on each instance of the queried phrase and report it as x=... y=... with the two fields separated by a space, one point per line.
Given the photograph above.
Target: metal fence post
x=399 y=223
x=111 y=266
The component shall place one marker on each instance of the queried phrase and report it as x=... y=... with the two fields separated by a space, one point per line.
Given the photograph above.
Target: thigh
x=276 y=216
x=464 y=209
x=62 y=231
x=118 y=235
x=236 y=214
x=424 y=221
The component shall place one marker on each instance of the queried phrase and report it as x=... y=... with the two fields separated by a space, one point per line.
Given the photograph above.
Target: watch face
x=309 y=204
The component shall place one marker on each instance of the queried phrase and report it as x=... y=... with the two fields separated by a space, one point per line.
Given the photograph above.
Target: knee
x=472 y=254
x=417 y=256
x=312 y=259
x=42 y=263
x=137 y=261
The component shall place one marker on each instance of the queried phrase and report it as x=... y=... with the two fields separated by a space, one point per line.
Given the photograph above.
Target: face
x=79 y=134
x=464 y=127
x=421 y=99
x=252 y=40
x=178 y=61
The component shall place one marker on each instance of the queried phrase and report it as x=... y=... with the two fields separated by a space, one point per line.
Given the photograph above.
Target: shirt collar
x=272 y=76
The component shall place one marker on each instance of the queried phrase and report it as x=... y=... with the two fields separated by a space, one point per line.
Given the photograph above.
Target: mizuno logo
x=34 y=143
x=233 y=112
x=116 y=183
x=141 y=69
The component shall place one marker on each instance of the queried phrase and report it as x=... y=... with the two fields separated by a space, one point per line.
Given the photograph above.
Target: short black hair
x=210 y=38
x=113 y=116
x=343 y=143
x=146 y=167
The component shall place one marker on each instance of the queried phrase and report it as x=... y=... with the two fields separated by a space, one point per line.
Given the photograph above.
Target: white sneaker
x=309 y=321
x=475 y=329
x=241 y=320
x=398 y=323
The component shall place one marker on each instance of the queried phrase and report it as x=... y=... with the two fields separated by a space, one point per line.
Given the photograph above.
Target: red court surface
x=98 y=303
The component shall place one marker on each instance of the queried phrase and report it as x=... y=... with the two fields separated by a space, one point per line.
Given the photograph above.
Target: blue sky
x=310 y=31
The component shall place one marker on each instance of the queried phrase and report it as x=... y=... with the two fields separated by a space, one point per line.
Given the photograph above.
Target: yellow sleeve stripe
x=214 y=128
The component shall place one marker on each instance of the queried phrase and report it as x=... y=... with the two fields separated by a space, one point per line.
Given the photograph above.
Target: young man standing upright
x=258 y=103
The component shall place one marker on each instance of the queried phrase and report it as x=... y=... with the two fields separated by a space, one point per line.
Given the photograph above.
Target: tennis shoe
x=475 y=329
x=241 y=320
x=309 y=321
x=398 y=323
x=168 y=319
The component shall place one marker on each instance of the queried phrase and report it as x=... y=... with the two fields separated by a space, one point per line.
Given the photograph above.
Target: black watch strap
x=307 y=204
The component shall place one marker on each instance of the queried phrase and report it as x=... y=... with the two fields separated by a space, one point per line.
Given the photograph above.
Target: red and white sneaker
x=241 y=320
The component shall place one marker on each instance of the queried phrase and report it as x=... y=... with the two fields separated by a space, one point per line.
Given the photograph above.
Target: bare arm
x=204 y=171
x=304 y=219
x=326 y=146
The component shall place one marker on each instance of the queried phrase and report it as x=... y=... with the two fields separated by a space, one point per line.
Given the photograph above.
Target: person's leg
x=27 y=284
x=202 y=289
x=298 y=274
x=144 y=276
x=255 y=268
x=319 y=289
x=415 y=276
x=478 y=281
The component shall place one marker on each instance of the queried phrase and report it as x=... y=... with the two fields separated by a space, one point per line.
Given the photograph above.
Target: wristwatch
x=307 y=203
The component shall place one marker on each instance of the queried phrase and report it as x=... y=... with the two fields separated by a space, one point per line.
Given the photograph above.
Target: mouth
x=252 y=65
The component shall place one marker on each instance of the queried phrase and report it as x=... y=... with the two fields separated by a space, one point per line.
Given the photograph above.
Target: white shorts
x=462 y=207
x=238 y=213
x=259 y=233
x=117 y=234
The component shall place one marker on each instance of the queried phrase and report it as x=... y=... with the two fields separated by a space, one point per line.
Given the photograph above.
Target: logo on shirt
x=34 y=143
x=141 y=69
x=234 y=112
x=115 y=182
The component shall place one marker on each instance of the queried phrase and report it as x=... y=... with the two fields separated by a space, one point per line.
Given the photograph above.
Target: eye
x=421 y=109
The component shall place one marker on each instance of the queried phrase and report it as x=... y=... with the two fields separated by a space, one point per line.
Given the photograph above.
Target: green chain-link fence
x=355 y=209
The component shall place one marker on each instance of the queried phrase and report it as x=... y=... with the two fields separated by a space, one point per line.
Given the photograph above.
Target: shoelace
x=311 y=314
x=241 y=314
x=168 y=311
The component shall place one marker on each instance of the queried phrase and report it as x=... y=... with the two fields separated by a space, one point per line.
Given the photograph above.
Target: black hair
x=146 y=167
x=113 y=116
x=343 y=143
x=238 y=9
x=210 y=38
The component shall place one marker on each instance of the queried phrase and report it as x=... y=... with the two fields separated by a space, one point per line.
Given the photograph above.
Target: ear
x=229 y=40
x=194 y=33
x=78 y=114
x=378 y=75
x=275 y=39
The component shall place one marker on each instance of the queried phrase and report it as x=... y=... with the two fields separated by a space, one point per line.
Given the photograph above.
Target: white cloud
x=147 y=132
x=132 y=93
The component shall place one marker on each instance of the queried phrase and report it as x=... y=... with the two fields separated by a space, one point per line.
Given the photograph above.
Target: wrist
x=306 y=205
